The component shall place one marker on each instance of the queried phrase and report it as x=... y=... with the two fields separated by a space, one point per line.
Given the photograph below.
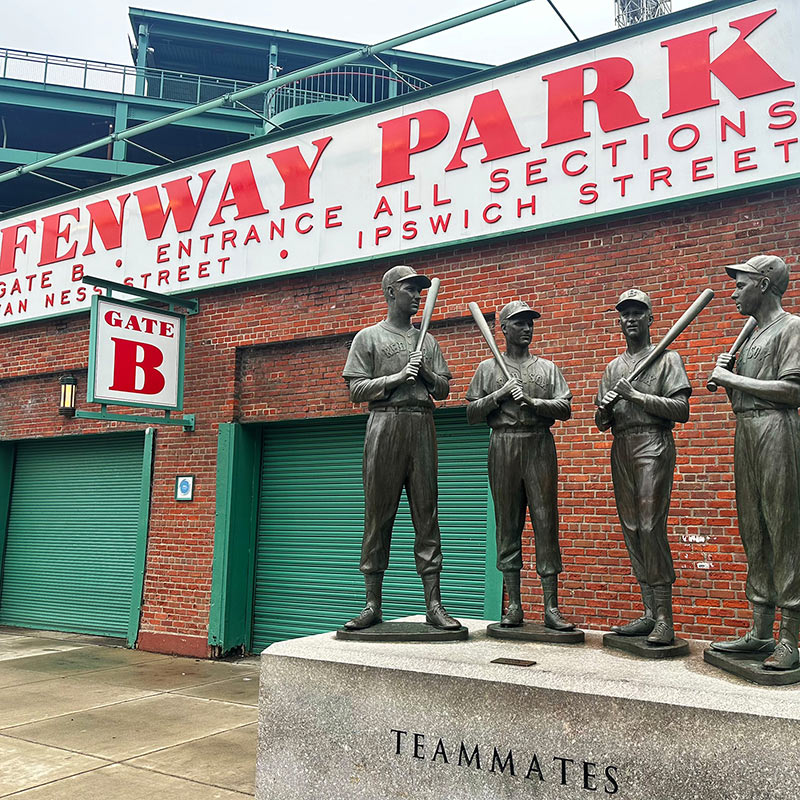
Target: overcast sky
x=99 y=29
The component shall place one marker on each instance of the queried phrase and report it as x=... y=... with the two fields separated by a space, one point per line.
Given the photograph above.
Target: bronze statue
x=523 y=471
x=764 y=390
x=643 y=459
x=399 y=382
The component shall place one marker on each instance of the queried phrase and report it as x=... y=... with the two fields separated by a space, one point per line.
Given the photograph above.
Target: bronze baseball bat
x=672 y=334
x=480 y=321
x=427 y=315
x=743 y=336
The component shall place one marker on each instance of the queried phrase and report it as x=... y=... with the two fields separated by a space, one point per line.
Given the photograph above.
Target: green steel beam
x=142 y=527
x=259 y=88
x=7 y=451
x=101 y=166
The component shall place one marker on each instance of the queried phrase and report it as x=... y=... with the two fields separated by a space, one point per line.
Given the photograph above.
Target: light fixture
x=68 y=390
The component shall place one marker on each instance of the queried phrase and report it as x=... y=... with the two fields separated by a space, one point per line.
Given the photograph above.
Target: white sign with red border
x=135 y=355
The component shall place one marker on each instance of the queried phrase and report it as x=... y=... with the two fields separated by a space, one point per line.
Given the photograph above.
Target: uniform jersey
x=541 y=379
x=665 y=378
x=382 y=350
x=771 y=353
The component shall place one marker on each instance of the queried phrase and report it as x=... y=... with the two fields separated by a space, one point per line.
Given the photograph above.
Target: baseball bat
x=743 y=336
x=427 y=315
x=672 y=334
x=480 y=321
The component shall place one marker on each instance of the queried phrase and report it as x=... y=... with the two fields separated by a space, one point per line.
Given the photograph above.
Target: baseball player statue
x=399 y=382
x=764 y=390
x=523 y=472
x=643 y=460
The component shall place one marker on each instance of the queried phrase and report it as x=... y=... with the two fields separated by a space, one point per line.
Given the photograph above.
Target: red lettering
x=228 y=237
x=622 y=180
x=740 y=68
x=252 y=234
x=501 y=181
x=440 y=223
x=382 y=208
x=660 y=174
x=742 y=160
x=533 y=168
x=432 y=126
x=296 y=172
x=680 y=148
x=10 y=245
x=332 y=218
x=52 y=233
x=409 y=229
x=77 y=272
x=161 y=253
x=495 y=218
x=782 y=109
x=785 y=145
x=726 y=124
x=567 y=97
x=612 y=146
x=440 y=201
x=135 y=360
x=494 y=128
x=182 y=273
x=700 y=169
x=589 y=194
x=241 y=183
x=107 y=223
x=407 y=207
x=302 y=217
x=521 y=205
x=568 y=157
x=181 y=205
x=382 y=233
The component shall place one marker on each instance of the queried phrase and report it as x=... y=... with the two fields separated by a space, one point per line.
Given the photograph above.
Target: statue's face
x=748 y=293
x=635 y=320
x=406 y=296
x=519 y=330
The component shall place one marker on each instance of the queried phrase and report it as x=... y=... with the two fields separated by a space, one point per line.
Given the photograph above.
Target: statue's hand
x=625 y=390
x=411 y=370
x=511 y=388
x=726 y=361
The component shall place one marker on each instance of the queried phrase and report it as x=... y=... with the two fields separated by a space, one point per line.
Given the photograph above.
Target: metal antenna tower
x=629 y=12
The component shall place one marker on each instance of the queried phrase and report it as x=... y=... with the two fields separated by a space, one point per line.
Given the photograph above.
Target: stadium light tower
x=629 y=12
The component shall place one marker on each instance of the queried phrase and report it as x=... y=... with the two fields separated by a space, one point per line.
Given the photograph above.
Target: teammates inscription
x=522 y=765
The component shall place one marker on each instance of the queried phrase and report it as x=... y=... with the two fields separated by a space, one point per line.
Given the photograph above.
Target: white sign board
x=135 y=355
x=707 y=103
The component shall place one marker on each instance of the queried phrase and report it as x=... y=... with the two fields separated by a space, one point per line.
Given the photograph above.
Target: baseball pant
x=523 y=474
x=767 y=471
x=400 y=452
x=642 y=467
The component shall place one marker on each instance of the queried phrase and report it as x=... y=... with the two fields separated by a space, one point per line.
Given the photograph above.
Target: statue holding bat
x=763 y=385
x=520 y=395
x=643 y=393
x=399 y=371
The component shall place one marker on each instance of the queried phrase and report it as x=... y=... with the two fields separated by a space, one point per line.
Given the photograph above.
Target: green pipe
x=258 y=88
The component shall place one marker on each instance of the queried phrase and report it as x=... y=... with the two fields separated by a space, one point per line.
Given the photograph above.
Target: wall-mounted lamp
x=68 y=391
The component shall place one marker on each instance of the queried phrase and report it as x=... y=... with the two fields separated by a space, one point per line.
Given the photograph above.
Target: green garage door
x=311 y=518
x=70 y=558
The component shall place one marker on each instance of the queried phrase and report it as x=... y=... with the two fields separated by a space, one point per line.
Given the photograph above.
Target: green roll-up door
x=71 y=542
x=311 y=519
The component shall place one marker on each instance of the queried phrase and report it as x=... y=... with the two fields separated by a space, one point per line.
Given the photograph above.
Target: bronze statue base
x=638 y=646
x=748 y=666
x=403 y=632
x=534 y=632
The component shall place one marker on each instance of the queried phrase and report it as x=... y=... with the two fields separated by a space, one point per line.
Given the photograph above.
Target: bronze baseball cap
x=515 y=308
x=634 y=296
x=772 y=267
x=403 y=273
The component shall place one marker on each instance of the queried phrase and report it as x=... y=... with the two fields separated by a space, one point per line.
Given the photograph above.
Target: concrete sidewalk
x=82 y=718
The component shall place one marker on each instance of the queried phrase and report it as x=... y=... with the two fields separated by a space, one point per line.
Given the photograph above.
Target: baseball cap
x=772 y=267
x=634 y=296
x=403 y=273
x=516 y=307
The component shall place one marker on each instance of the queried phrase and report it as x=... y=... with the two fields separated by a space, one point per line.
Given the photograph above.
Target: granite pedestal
x=358 y=721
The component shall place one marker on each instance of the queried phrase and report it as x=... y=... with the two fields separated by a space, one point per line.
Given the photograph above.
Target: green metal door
x=72 y=549
x=310 y=523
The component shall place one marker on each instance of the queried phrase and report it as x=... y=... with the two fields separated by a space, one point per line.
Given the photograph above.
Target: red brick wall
x=274 y=350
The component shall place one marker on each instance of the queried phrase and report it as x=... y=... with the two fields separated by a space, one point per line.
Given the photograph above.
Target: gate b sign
x=135 y=355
